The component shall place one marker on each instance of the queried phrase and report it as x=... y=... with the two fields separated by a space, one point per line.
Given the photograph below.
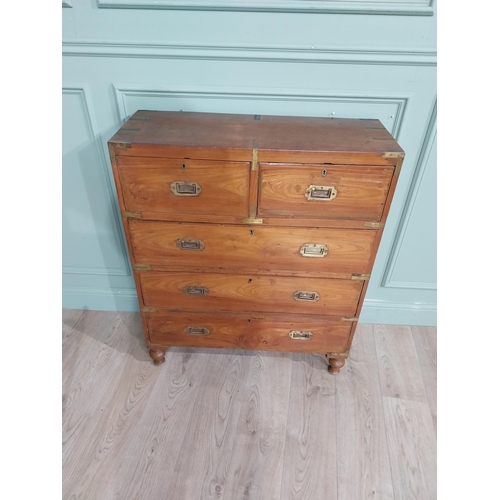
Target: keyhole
x=250 y=280
x=183 y=166
x=251 y=231
x=324 y=172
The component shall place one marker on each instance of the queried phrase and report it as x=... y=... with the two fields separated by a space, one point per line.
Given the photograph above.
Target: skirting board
x=374 y=311
x=398 y=313
x=96 y=299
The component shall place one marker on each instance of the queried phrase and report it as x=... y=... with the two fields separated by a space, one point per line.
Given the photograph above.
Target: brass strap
x=374 y=225
x=399 y=164
x=399 y=156
x=141 y=267
x=255 y=159
x=252 y=219
x=360 y=277
x=132 y=215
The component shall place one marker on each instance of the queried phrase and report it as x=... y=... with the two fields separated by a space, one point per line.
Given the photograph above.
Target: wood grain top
x=246 y=132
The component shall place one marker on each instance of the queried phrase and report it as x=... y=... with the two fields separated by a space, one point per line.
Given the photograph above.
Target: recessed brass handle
x=321 y=193
x=296 y=335
x=189 y=244
x=196 y=330
x=181 y=188
x=306 y=296
x=313 y=250
x=195 y=290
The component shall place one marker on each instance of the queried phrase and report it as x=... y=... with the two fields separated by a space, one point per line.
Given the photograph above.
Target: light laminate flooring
x=246 y=425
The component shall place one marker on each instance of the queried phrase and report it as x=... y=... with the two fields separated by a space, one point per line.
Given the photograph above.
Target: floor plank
x=310 y=459
x=91 y=374
x=148 y=462
x=94 y=470
x=412 y=449
x=426 y=344
x=398 y=365
x=78 y=333
x=87 y=373
x=69 y=318
x=94 y=461
x=204 y=474
x=257 y=460
x=364 y=470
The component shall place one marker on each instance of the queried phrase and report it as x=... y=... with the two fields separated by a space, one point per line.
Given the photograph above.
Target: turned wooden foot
x=335 y=364
x=158 y=355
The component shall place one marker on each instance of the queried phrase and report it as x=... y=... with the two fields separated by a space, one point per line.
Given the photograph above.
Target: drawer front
x=169 y=186
x=242 y=247
x=224 y=292
x=324 y=191
x=249 y=332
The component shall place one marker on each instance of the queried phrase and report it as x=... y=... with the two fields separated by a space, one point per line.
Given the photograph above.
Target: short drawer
x=250 y=293
x=252 y=248
x=187 y=187
x=324 y=191
x=281 y=333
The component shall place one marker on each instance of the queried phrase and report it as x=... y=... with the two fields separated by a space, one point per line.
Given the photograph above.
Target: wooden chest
x=253 y=232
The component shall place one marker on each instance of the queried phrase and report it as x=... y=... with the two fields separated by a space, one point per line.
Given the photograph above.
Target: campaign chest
x=253 y=232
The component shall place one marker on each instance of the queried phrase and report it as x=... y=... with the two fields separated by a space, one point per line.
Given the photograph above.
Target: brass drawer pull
x=296 y=335
x=195 y=290
x=313 y=250
x=196 y=330
x=181 y=188
x=322 y=193
x=306 y=296
x=189 y=244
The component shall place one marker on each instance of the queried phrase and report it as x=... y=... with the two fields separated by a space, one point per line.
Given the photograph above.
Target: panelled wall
x=353 y=59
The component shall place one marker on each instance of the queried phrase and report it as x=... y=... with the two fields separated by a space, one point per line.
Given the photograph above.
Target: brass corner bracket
x=360 y=277
x=141 y=267
x=252 y=219
x=374 y=225
x=132 y=215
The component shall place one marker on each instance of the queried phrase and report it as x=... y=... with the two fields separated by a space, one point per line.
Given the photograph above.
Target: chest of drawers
x=253 y=232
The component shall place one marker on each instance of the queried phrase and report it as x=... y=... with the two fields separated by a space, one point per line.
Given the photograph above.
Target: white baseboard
x=97 y=299
x=398 y=313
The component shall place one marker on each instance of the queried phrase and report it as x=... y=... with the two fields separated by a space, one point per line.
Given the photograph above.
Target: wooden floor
x=241 y=425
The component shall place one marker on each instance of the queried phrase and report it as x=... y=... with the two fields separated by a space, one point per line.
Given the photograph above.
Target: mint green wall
x=359 y=59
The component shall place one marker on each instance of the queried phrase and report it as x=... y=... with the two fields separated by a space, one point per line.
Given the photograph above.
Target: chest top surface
x=248 y=132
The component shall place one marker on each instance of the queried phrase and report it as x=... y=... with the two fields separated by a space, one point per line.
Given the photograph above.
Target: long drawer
x=261 y=332
x=241 y=247
x=183 y=186
x=324 y=191
x=222 y=292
